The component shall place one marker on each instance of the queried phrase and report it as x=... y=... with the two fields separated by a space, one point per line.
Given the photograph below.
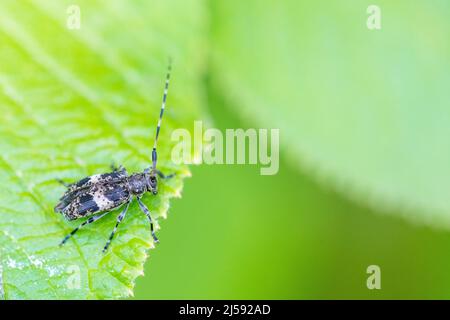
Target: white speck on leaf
x=36 y=262
x=13 y=264
x=53 y=271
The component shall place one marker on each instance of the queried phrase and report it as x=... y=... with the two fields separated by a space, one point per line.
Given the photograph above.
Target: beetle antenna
x=166 y=90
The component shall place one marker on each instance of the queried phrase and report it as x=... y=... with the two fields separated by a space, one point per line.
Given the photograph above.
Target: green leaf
x=366 y=111
x=72 y=101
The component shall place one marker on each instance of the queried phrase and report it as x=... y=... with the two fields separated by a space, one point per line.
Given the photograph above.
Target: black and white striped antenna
x=166 y=90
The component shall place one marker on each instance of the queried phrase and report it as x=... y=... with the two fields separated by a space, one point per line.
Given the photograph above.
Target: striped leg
x=88 y=221
x=147 y=213
x=119 y=220
x=115 y=168
x=163 y=176
x=65 y=184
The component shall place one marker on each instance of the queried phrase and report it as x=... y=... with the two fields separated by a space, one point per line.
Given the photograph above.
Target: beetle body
x=95 y=196
x=103 y=192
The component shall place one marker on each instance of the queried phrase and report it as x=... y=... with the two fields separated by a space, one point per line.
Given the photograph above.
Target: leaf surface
x=72 y=101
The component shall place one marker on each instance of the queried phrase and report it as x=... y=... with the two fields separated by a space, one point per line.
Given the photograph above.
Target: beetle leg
x=119 y=220
x=163 y=176
x=115 y=168
x=65 y=184
x=147 y=213
x=88 y=221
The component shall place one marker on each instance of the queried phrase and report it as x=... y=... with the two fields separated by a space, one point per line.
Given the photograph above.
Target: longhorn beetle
x=97 y=195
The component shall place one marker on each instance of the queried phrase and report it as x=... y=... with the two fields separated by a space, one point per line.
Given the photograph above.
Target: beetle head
x=151 y=181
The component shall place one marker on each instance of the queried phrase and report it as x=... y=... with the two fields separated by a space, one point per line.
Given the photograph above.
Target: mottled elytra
x=98 y=195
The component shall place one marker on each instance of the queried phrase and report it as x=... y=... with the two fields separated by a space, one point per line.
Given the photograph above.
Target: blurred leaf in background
x=239 y=235
x=366 y=111
x=71 y=102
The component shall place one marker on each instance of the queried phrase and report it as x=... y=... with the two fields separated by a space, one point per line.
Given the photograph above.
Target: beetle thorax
x=137 y=184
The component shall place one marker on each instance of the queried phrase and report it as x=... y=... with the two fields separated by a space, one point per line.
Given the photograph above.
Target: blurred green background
x=285 y=237
x=363 y=115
